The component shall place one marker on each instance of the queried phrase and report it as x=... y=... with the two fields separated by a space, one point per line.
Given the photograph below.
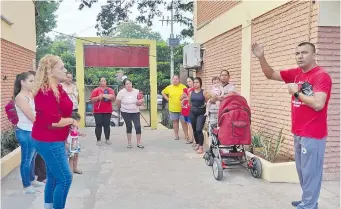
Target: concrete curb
x=277 y=172
x=10 y=162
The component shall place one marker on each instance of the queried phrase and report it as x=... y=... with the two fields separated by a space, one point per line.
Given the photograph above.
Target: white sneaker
x=37 y=183
x=29 y=190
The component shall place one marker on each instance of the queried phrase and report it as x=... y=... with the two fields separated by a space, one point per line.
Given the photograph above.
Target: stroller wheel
x=256 y=168
x=208 y=159
x=217 y=169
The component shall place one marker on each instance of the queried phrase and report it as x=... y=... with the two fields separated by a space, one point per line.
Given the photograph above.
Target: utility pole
x=172 y=42
x=172 y=47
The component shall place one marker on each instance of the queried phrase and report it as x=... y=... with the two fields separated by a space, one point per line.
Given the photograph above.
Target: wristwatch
x=297 y=94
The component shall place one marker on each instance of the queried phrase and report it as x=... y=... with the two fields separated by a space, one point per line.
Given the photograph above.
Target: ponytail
x=17 y=83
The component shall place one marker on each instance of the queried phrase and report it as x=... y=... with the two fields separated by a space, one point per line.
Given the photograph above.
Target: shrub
x=8 y=142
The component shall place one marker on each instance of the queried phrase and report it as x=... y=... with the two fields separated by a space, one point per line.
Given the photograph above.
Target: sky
x=70 y=20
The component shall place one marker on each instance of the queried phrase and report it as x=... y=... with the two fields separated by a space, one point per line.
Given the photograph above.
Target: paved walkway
x=165 y=175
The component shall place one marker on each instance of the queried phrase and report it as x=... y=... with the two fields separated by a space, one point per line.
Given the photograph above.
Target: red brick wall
x=14 y=59
x=279 y=31
x=208 y=9
x=223 y=53
x=328 y=51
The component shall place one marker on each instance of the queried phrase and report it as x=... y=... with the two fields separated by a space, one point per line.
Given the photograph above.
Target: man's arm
x=317 y=102
x=322 y=86
x=269 y=73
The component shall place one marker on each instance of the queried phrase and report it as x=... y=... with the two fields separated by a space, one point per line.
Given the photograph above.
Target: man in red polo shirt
x=310 y=87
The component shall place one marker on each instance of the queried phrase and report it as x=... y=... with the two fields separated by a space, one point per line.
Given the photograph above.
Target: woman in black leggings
x=129 y=100
x=102 y=98
x=197 y=115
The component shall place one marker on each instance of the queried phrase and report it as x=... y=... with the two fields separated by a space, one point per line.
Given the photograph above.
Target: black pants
x=129 y=118
x=40 y=168
x=198 y=121
x=102 y=120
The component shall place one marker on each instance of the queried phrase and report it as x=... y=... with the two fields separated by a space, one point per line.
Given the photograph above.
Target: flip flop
x=140 y=146
x=78 y=172
x=129 y=146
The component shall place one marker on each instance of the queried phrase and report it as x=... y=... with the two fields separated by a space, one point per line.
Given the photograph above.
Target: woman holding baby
x=198 y=98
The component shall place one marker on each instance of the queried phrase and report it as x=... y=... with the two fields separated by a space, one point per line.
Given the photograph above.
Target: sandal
x=189 y=142
x=78 y=172
x=200 y=152
x=140 y=146
x=129 y=146
x=178 y=138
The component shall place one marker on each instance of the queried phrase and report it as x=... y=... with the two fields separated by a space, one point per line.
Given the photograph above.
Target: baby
x=73 y=145
x=216 y=90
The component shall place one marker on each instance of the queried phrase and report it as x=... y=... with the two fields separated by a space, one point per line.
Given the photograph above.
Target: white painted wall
x=329 y=13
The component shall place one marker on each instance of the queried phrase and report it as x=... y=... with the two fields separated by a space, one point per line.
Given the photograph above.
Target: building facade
x=18 y=46
x=226 y=29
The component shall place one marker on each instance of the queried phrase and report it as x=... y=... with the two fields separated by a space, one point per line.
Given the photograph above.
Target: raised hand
x=257 y=50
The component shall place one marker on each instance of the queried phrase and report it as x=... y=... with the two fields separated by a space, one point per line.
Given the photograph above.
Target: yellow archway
x=131 y=42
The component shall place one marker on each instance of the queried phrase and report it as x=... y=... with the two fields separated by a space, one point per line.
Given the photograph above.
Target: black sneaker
x=295 y=203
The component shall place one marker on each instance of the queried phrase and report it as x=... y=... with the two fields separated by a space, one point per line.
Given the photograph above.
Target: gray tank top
x=197 y=99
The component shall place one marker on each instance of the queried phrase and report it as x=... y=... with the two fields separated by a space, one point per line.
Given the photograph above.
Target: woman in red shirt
x=51 y=128
x=102 y=98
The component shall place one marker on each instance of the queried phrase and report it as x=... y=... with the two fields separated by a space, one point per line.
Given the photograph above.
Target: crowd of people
x=191 y=105
x=46 y=104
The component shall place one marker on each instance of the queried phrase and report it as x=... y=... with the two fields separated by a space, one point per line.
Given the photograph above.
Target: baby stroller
x=227 y=143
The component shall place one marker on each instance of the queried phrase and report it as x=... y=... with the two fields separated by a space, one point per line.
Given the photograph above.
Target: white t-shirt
x=128 y=100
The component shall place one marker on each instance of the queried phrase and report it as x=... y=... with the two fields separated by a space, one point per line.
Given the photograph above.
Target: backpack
x=12 y=113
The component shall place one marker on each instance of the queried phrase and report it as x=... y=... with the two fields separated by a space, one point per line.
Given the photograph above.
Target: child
x=73 y=145
x=216 y=90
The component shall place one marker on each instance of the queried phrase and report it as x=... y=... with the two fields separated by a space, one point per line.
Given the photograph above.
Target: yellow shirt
x=174 y=94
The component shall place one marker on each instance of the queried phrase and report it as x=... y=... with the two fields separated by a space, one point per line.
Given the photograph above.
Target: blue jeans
x=28 y=155
x=309 y=157
x=58 y=173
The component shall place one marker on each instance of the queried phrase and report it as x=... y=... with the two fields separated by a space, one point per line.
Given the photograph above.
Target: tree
x=132 y=30
x=116 y=12
x=45 y=23
x=64 y=47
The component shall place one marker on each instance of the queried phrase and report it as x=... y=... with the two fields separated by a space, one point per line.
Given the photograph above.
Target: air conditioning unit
x=192 y=56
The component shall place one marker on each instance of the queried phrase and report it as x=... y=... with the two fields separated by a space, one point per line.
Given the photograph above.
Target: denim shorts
x=187 y=119
x=175 y=116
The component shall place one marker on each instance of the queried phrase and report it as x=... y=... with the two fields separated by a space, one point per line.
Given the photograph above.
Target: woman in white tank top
x=24 y=105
